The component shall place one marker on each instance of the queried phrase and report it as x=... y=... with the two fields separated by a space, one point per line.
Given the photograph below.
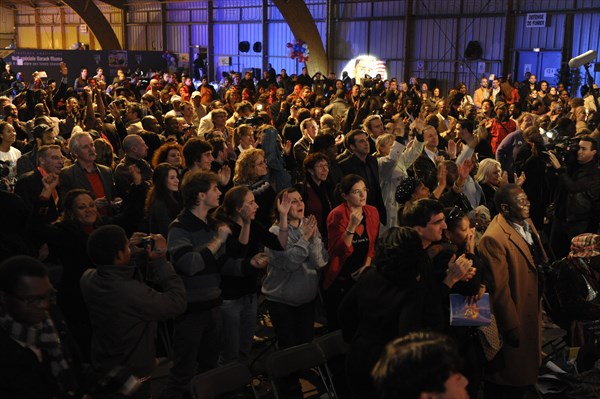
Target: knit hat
x=406 y=189
x=585 y=246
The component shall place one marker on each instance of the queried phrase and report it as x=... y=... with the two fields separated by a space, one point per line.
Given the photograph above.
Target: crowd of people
x=146 y=199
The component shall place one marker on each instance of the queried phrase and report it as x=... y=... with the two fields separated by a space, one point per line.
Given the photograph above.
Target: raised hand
x=503 y=178
x=465 y=169
x=223 y=231
x=287 y=148
x=459 y=269
x=64 y=70
x=519 y=180
x=283 y=205
x=442 y=172
x=50 y=182
x=224 y=175
x=356 y=216
x=309 y=227
x=451 y=149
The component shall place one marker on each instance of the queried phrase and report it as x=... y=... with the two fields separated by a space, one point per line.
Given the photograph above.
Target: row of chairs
x=283 y=363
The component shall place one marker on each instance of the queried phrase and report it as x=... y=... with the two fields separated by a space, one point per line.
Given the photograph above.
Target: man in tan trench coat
x=512 y=248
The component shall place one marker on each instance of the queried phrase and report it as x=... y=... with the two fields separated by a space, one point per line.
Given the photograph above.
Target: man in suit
x=362 y=163
x=37 y=188
x=86 y=173
x=446 y=122
x=513 y=250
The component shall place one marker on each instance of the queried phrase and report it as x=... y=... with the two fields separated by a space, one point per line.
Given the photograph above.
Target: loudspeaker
x=473 y=50
x=257 y=47
x=244 y=47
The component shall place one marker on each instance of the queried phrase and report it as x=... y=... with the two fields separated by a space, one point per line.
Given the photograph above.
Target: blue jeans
x=239 y=324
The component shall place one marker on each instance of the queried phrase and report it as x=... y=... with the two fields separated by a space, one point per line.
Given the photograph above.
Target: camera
x=145 y=241
x=253 y=120
x=564 y=147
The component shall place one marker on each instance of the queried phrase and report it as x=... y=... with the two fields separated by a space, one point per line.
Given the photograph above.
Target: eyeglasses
x=38 y=301
x=357 y=191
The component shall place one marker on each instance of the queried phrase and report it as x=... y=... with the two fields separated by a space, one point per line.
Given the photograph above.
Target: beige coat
x=516 y=301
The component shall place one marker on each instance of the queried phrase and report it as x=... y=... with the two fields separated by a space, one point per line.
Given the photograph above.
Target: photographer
x=123 y=309
x=577 y=196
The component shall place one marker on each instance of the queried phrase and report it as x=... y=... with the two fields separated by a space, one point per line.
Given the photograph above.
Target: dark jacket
x=374 y=312
x=124 y=312
x=29 y=188
x=579 y=193
x=74 y=177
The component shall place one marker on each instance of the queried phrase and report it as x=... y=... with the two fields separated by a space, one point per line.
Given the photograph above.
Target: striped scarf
x=43 y=336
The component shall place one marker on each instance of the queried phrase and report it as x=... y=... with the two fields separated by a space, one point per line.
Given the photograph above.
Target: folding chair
x=288 y=361
x=332 y=345
x=222 y=380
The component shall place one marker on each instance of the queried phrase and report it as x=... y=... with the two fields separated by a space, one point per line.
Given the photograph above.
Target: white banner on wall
x=535 y=20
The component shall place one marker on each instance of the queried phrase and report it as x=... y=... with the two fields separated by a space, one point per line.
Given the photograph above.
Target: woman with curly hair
x=171 y=153
x=163 y=202
x=251 y=170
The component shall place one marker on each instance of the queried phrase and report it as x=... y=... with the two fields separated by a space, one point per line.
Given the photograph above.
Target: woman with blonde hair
x=251 y=170
x=243 y=138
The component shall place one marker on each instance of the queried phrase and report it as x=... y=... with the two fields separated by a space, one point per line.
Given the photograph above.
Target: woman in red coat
x=352 y=230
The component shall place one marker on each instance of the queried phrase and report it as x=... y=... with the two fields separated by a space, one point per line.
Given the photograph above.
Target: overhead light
x=537 y=49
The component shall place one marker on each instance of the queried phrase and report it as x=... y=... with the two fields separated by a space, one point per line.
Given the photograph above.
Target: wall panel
x=386 y=39
x=177 y=38
x=227 y=37
x=26 y=37
x=549 y=38
x=537 y=5
x=351 y=39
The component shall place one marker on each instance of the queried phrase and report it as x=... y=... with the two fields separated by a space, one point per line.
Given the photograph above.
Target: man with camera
x=123 y=309
x=577 y=196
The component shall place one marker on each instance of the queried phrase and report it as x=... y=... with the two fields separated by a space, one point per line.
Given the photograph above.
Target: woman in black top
x=240 y=281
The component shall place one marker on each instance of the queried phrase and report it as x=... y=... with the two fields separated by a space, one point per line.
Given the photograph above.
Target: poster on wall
x=363 y=65
x=117 y=59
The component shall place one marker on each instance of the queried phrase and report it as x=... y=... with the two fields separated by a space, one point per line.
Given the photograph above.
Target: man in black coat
x=362 y=163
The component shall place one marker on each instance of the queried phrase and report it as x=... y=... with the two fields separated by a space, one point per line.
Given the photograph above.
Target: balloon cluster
x=298 y=50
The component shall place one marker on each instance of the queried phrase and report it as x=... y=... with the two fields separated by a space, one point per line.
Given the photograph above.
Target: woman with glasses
x=317 y=191
x=352 y=230
x=459 y=239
